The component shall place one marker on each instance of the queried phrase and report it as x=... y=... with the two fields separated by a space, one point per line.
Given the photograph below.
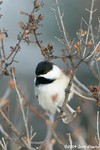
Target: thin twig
x=16 y=49
x=70 y=141
x=3 y=50
x=21 y=104
x=68 y=90
x=12 y=127
x=98 y=126
x=59 y=27
x=93 y=52
x=62 y=25
x=4 y=132
x=89 y=26
x=3 y=144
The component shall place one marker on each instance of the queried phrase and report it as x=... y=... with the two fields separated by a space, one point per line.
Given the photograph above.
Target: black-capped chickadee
x=50 y=85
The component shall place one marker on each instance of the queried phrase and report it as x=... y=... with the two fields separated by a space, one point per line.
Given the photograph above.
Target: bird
x=50 y=86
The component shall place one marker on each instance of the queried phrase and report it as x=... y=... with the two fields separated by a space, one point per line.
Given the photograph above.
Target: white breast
x=52 y=95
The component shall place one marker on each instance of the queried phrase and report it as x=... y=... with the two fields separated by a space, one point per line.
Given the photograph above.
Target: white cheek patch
x=53 y=74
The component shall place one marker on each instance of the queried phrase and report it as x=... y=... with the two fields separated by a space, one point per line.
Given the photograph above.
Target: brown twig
x=3 y=50
x=15 y=50
x=12 y=127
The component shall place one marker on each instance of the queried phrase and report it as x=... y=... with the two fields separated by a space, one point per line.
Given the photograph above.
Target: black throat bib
x=42 y=80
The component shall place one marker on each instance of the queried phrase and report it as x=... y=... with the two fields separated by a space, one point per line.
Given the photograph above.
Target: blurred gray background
x=30 y=55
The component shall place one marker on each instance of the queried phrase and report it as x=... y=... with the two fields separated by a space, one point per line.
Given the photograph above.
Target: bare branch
x=3 y=144
x=89 y=26
x=21 y=104
x=98 y=126
x=13 y=128
x=62 y=24
x=93 y=52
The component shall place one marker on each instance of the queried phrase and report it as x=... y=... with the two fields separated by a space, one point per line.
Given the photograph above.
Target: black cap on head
x=43 y=67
